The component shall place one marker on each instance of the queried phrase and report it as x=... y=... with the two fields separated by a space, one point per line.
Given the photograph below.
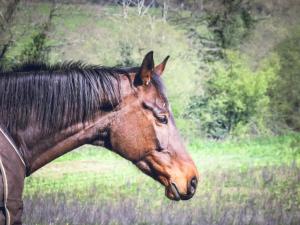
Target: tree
x=7 y=12
x=286 y=92
x=142 y=6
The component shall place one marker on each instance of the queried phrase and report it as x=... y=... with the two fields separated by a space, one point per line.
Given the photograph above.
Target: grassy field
x=243 y=182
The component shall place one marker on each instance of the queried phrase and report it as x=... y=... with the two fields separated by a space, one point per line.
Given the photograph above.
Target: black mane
x=59 y=95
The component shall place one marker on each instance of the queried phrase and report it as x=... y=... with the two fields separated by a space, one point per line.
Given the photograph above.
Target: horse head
x=145 y=133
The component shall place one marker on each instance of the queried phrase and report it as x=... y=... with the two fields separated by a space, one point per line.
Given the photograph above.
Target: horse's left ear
x=146 y=70
x=159 y=69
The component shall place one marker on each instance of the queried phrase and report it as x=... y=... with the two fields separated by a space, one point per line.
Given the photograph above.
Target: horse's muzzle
x=173 y=193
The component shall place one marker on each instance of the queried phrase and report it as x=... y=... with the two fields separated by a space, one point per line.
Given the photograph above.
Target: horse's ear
x=146 y=71
x=159 y=69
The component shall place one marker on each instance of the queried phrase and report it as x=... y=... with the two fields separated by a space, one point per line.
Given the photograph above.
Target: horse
x=49 y=110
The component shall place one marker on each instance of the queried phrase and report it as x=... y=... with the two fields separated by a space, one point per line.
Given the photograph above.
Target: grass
x=243 y=182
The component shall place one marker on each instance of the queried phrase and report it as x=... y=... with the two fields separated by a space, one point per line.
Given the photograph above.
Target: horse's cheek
x=132 y=135
x=162 y=135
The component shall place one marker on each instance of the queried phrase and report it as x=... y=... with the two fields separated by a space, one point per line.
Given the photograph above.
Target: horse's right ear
x=146 y=71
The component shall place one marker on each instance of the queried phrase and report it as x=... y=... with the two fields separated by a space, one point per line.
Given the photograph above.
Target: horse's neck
x=38 y=151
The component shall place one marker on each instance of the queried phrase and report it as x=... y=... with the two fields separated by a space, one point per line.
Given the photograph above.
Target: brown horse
x=50 y=110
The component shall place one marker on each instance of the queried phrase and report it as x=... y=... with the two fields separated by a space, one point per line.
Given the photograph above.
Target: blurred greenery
x=215 y=83
x=285 y=94
x=232 y=22
x=236 y=99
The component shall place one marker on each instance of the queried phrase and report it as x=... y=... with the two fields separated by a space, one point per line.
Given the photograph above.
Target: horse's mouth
x=172 y=192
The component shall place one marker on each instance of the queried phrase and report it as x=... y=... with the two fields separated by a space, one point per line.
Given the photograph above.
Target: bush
x=285 y=94
x=126 y=50
x=232 y=23
x=236 y=98
x=234 y=30
x=36 y=49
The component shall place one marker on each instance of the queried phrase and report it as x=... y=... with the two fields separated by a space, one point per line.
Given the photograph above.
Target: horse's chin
x=171 y=190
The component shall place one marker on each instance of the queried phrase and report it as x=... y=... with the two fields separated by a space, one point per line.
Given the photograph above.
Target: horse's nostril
x=194 y=182
x=193 y=186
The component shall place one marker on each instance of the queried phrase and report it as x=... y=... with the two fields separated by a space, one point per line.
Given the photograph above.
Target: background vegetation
x=233 y=81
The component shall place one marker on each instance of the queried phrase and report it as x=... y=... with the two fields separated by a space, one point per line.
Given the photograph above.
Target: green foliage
x=126 y=59
x=295 y=148
x=232 y=23
x=35 y=50
x=235 y=100
x=285 y=94
x=234 y=30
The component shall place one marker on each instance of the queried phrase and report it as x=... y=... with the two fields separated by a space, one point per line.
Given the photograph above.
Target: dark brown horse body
x=57 y=109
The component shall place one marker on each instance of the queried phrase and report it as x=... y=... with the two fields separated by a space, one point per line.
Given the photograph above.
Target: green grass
x=91 y=166
x=248 y=180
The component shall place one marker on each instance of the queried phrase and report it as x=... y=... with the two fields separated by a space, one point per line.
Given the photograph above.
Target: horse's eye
x=163 y=119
